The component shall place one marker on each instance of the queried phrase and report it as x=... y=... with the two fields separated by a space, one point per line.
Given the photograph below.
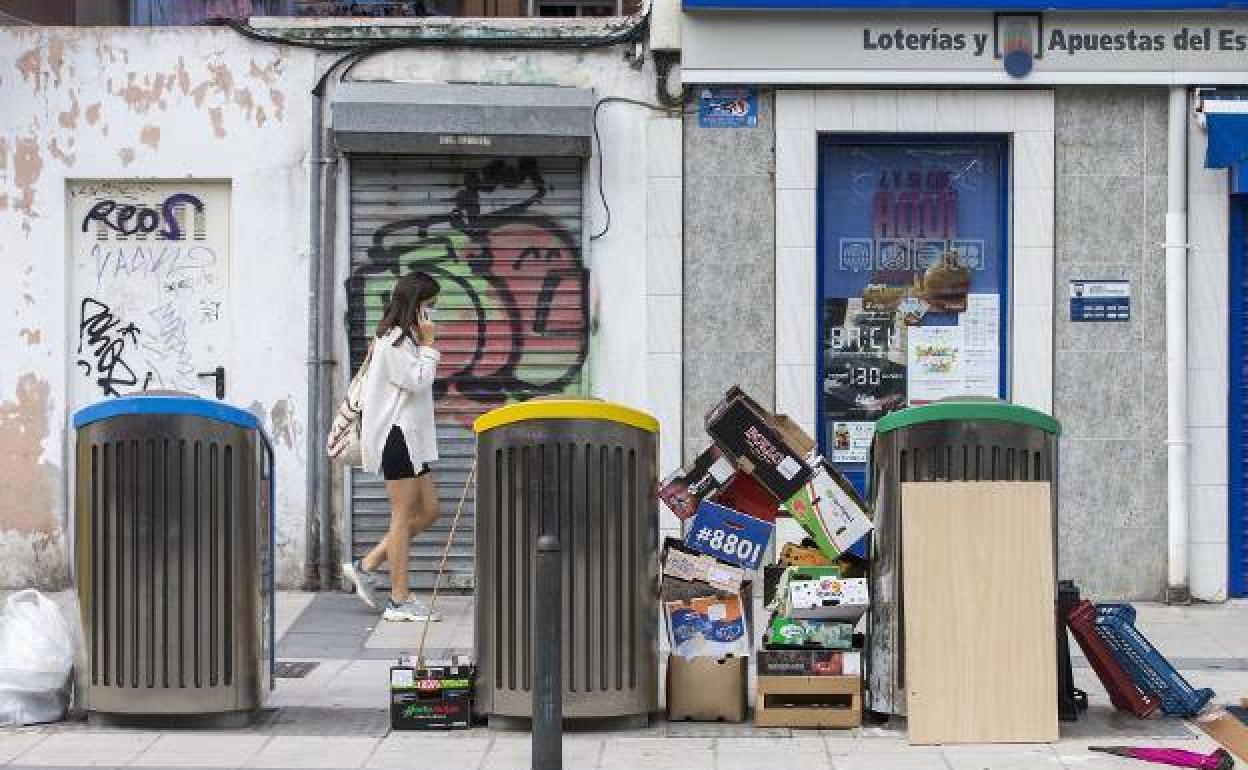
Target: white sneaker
x=410 y=610
x=365 y=584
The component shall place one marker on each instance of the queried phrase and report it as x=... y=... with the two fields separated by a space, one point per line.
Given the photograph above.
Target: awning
x=442 y=119
x=1228 y=139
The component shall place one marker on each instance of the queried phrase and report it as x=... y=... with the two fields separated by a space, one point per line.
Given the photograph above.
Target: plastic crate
x=1123 y=692
x=1115 y=624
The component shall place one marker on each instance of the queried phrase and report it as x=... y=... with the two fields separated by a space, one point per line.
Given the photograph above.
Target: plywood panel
x=981 y=663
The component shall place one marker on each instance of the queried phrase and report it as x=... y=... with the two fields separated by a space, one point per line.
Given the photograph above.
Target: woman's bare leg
x=404 y=508
x=376 y=557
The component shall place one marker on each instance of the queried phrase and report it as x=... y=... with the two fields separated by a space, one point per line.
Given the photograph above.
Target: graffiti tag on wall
x=151 y=280
x=513 y=315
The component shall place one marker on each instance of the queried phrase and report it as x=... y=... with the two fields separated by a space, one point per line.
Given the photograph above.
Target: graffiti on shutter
x=502 y=236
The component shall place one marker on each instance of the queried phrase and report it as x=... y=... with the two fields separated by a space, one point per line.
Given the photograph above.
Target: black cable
x=251 y=33
x=602 y=195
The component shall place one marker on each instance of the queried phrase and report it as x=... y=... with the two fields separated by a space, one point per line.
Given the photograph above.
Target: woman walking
x=398 y=438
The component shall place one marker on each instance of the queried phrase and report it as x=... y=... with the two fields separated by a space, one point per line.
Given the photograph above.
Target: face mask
x=429 y=313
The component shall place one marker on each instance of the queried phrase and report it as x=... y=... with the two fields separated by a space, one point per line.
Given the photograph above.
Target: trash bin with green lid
x=174 y=540
x=957 y=439
x=584 y=471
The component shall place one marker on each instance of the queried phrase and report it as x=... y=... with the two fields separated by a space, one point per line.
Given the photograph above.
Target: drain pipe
x=1177 y=591
x=315 y=571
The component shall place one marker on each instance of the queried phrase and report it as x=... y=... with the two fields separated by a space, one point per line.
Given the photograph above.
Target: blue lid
x=165 y=404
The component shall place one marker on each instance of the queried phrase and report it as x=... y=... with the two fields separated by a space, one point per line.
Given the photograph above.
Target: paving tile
x=290 y=751
x=635 y=755
x=789 y=757
x=517 y=755
x=88 y=748
x=799 y=741
x=912 y=759
x=13 y=744
x=288 y=606
x=448 y=750
x=1001 y=758
x=198 y=750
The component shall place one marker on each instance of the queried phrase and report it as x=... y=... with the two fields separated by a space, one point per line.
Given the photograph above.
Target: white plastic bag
x=36 y=660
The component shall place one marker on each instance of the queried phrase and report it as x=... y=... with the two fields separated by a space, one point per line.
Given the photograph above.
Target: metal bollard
x=547 y=660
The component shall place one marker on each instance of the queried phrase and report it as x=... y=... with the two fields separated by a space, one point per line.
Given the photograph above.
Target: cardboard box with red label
x=770 y=448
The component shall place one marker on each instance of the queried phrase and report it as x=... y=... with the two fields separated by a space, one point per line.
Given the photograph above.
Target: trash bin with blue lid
x=174 y=541
x=954 y=439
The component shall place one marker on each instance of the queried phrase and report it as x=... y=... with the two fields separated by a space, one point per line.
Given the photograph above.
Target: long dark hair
x=403 y=309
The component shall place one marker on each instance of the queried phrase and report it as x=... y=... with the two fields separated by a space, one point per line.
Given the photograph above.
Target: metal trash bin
x=957 y=439
x=584 y=471
x=174 y=545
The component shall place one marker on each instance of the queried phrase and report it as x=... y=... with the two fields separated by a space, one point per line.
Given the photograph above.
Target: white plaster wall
x=1207 y=372
x=1026 y=115
x=77 y=105
x=229 y=109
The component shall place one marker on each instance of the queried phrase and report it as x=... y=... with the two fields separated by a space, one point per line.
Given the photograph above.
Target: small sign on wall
x=1100 y=300
x=728 y=108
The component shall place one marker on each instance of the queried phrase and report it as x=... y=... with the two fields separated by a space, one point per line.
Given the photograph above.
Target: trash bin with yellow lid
x=586 y=472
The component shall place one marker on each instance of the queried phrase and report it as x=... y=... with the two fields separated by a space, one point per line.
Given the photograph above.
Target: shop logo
x=1017 y=43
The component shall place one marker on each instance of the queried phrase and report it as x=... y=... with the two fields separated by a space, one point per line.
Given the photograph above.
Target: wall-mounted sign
x=963 y=47
x=728 y=107
x=1100 y=300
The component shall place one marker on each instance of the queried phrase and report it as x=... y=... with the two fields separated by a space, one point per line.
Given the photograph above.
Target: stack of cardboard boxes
x=759 y=467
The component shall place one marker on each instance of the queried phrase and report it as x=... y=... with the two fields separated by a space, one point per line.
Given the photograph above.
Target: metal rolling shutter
x=503 y=238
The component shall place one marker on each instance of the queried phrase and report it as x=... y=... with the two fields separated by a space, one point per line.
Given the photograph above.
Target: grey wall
x=729 y=266
x=1110 y=378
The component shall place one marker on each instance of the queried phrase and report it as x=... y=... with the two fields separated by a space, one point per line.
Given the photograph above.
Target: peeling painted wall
x=173 y=103
x=87 y=103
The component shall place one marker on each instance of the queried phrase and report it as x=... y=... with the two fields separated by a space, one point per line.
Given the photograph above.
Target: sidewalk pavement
x=336 y=715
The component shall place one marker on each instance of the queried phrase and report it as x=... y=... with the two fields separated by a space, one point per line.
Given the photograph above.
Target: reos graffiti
x=513 y=317
x=129 y=219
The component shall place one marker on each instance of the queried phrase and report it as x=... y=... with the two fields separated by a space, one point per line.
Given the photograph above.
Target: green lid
x=966 y=410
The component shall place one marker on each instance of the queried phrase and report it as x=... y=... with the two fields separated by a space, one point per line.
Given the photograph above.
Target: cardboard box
x=707 y=689
x=743 y=493
x=434 y=696
x=828 y=598
x=785 y=632
x=729 y=535
x=683 y=490
x=809 y=663
x=809 y=701
x=771 y=581
x=779 y=594
x=426 y=711
x=708 y=626
x=829 y=508
x=794 y=555
x=771 y=450
x=683 y=563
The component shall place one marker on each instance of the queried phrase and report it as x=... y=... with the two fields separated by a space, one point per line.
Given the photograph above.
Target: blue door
x=1238 y=393
x=913 y=281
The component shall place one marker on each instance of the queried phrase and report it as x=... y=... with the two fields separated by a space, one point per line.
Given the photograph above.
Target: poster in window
x=912 y=274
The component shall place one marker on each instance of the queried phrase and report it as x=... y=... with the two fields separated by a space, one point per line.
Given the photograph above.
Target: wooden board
x=980 y=649
x=1222 y=726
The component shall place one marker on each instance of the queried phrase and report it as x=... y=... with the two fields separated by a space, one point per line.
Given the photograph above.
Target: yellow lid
x=565 y=409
